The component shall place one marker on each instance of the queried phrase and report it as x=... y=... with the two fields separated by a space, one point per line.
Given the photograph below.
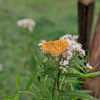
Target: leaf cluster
x=48 y=82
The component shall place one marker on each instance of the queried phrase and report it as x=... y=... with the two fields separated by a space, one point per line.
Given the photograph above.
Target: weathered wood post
x=85 y=20
x=94 y=59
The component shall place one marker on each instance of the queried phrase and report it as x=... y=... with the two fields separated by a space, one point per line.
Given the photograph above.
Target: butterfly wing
x=61 y=45
x=48 y=46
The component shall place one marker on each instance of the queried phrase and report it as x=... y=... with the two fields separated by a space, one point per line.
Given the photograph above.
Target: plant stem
x=47 y=57
x=58 y=73
x=62 y=82
x=58 y=80
x=72 y=87
x=65 y=84
x=73 y=57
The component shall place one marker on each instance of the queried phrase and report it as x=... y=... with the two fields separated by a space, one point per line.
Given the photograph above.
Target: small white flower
x=26 y=23
x=88 y=66
x=69 y=54
x=75 y=37
x=82 y=52
x=66 y=66
x=64 y=55
x=64 y=70
x=41 y=42
x=70 y=37
x=66 y=37
x=65 y=62
x=46 y=52
x=61 y=67
x=1 y=67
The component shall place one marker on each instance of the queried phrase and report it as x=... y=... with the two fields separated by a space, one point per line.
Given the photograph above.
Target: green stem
x=72 y=58
x=62 y=82
x=47 y=57
x=58 y=79
x=58 y=73
x=65 y=84
x=72 y=87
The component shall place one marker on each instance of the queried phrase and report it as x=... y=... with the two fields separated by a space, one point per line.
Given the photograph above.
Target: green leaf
x=86 y=58
x=91 y=75
x=48 y=94
x=76 y=71
x=31 y=79
x=17 y=81
x=93 y=68
x=83 y=76
x=45 y=78
x=81 y=68
x=56 y=96
x=36 y=90
x=73 y=75
x=16 y=97
x=13 y=97
x=37 y=59
x=79 y=94
x=74 y=81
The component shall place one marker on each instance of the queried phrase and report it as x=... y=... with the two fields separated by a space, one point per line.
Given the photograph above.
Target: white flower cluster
x=88 y=66
x=26 y=23
x=1 y=67
x=72 y=47
x=63 y=69
x=69 y=37
x=40 y=44
x=63 y=63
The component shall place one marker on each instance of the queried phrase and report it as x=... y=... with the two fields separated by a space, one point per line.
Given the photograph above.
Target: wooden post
x=85 y=20
x=94 y=59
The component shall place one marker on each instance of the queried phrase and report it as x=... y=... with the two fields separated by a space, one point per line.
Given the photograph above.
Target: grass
x=54 y=18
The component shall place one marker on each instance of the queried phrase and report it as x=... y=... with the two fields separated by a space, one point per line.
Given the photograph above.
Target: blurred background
x=53 y=18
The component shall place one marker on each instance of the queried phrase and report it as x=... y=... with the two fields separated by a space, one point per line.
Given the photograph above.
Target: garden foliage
x=58 y=77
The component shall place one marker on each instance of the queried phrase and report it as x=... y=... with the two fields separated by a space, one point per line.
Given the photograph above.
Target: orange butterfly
x=55 y=48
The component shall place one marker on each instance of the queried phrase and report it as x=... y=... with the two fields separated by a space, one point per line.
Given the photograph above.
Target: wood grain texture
x=94 y=59
x=85 y=20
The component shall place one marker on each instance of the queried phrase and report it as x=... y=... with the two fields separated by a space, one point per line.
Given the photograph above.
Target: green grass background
x=54 y=18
